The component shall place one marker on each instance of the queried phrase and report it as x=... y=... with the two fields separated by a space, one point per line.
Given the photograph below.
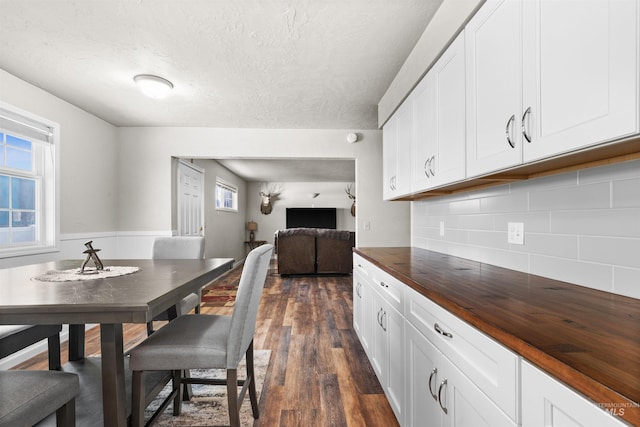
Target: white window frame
x=222 y=184
x=46 y=174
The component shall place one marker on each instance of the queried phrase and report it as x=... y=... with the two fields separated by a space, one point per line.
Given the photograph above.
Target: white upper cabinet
x=397 y=136
x=494 y=87
x=389 y=157
x=580 y=74
x=439 y=122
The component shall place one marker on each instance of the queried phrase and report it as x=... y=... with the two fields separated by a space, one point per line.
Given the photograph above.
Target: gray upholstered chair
x=179 y=247
x=30 y=396
x=208 y=342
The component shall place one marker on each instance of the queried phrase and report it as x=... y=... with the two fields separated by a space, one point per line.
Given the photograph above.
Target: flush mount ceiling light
x=153 y=86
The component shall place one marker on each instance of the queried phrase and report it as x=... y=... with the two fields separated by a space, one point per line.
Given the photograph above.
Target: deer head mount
x=269 y=195
x=352 y=197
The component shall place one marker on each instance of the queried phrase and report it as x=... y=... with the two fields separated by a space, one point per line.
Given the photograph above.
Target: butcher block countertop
x=586 y=338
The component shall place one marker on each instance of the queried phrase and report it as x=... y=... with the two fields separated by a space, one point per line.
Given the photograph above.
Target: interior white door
x=190 y=200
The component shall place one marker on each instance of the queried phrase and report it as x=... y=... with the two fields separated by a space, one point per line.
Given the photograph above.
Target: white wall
x=580 y=227
x=224 y=231
x=87 y=167
x=144 y=173
x=298 y=195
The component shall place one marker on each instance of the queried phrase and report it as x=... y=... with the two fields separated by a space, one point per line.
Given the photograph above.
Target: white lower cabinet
x=437 y=370
x=547 y=402
x=439 y=394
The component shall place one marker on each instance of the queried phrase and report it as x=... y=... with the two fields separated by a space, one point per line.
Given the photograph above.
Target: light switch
x=516 y=233
x=367 y=226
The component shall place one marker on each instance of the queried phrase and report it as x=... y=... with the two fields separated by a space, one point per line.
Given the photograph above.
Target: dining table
x=148 y=288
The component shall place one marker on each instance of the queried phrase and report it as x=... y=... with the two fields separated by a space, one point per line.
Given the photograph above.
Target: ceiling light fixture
x=153 y=86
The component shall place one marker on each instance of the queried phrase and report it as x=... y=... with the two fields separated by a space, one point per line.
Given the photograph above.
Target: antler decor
x=352 y=197
x=269 y=195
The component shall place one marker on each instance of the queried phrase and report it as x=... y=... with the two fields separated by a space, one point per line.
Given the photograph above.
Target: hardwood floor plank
x=348 y=391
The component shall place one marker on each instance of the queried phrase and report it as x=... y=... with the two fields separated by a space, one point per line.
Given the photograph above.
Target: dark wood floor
x=319 y=374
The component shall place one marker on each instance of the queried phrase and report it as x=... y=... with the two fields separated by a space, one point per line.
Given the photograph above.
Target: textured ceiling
x=236 y=64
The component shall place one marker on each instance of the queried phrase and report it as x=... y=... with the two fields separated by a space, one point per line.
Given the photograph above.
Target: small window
x=27 y=184
x=226 y=196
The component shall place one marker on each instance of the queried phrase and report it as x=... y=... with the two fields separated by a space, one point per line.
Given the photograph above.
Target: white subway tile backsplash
x=599 y=222
x=489 y=239
x=555 y=245
x=626 y=193
x=611 y=250
x=506 y=259
x=535 y=222
x=593 y=196
x=473 y=222
x=511 y=202
x=597 y=276
x=626 y=281
x=581 y=227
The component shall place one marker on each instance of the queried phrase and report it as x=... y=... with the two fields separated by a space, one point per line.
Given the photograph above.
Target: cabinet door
x=580 y=68
x=357 y=303
x=393 y=326
x=464 y=405
x=389 y=157
x=425 y=134
x=493 y=75
x=422 y=360
x=404 y=143
x=448 y=164
x=378 y=346
x=547 y=402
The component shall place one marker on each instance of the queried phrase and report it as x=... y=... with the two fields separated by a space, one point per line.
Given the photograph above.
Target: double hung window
x=226 y=196
x=27 y=183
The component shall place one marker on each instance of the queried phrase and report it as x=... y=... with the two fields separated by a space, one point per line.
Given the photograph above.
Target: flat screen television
x=311 y=217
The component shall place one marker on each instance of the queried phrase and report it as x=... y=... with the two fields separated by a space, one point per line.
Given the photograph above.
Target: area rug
x=208 y=407
x=222 y=291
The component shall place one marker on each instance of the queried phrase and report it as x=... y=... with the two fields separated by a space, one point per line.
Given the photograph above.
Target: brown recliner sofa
x=314 y=251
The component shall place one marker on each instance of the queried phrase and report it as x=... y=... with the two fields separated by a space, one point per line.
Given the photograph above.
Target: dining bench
x=14 y=338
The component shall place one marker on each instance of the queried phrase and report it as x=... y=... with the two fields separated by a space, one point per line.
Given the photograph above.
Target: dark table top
x=133 y=298
x=588 y=339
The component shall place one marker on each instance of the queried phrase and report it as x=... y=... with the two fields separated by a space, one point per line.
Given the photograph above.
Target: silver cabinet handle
x=426 y=167
x=384 y=315
x=379 y=313
x=433 y=372
x=524 y=129
x=511 y=120
x=384 y=285
x=442 y=384
x=431 y=160
x=358 y=290
x=441 y=331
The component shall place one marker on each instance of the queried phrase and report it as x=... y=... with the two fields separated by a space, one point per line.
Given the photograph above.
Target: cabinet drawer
x=361 y=266
x=390 y=288
x=491 y=367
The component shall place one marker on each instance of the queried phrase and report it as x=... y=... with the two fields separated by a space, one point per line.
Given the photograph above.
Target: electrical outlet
x=516 y=233
x=442 y=228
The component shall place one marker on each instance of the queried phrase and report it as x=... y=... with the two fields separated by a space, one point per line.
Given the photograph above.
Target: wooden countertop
x=586 y=338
